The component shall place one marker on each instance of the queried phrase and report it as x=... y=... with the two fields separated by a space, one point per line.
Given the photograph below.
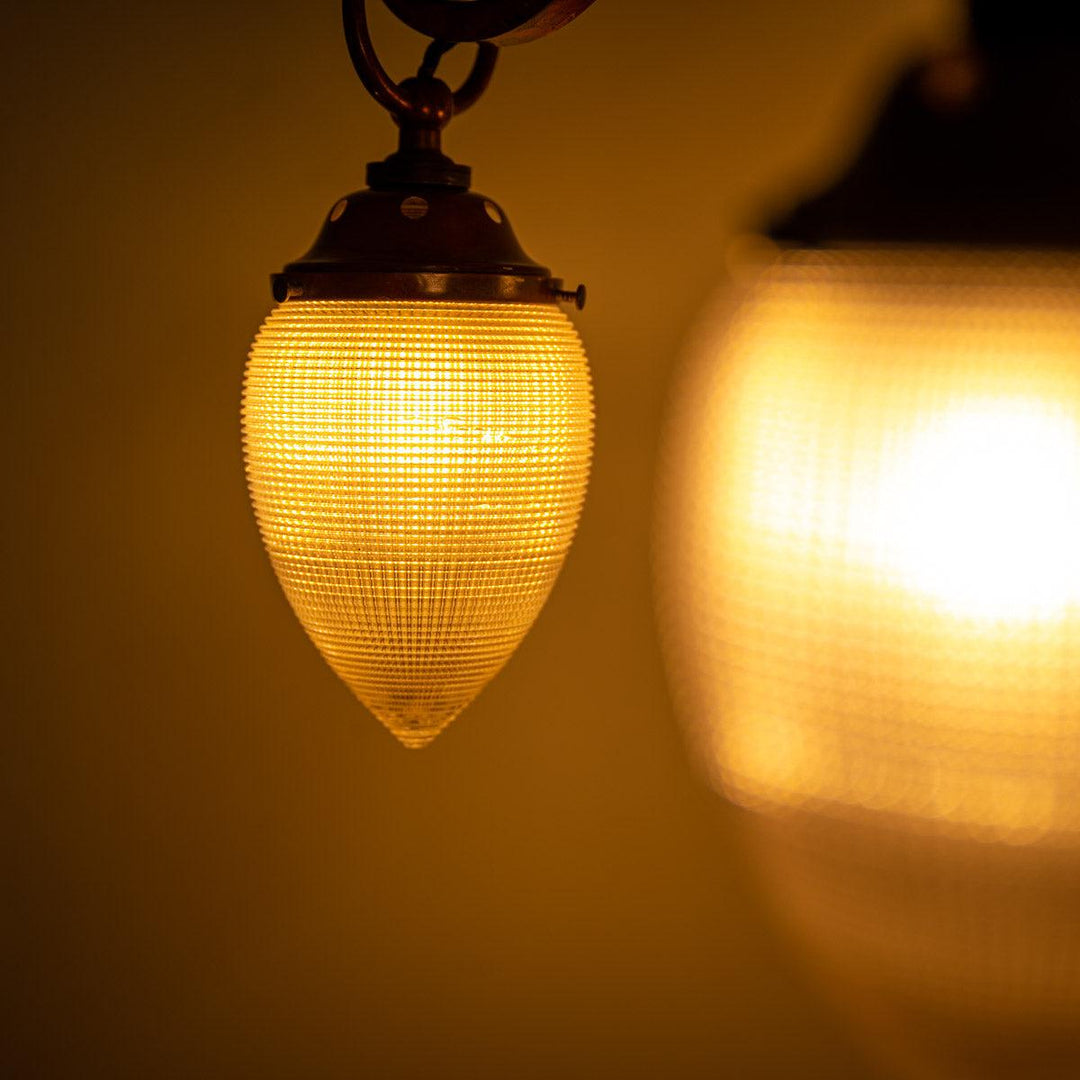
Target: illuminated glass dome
x=871 y=600
x=417 y=470
x=879 y=539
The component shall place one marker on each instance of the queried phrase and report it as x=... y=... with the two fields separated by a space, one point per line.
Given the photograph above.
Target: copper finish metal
x=488 y=288
x=402 y=100
x=417 y=232
x=502 y=22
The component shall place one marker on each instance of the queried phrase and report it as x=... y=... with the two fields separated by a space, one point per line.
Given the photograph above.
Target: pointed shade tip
x=415 y=724
x=416 y=731
x=414 y=740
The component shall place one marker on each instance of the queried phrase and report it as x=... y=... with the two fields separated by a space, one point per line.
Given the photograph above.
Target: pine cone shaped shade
x=417 y=470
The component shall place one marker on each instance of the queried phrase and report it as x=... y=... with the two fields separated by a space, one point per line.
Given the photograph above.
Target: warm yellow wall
x=221 y=866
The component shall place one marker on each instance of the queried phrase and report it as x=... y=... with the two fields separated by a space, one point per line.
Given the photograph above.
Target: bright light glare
x=985 y=510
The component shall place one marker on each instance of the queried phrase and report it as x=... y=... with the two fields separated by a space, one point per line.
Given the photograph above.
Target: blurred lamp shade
x=869 y=559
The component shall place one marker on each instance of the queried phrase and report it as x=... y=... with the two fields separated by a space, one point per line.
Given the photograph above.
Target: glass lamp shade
x=875 y=564
x=870 y=598
x=417 y=470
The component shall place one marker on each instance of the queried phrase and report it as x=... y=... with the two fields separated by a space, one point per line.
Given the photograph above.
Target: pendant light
x=869 y=572
x=417 y=408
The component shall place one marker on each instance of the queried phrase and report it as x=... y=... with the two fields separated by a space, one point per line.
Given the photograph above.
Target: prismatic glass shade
x=876 y=563
x=869 y=590
x=417 y=469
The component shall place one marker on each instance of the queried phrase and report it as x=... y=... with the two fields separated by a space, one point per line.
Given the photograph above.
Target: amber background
x=217 y=864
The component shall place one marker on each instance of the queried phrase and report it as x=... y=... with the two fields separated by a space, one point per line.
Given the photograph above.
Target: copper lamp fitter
x=417 y=232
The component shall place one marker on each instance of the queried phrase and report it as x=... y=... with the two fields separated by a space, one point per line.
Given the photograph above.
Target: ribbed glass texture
x=417 y=469
x=872 y=555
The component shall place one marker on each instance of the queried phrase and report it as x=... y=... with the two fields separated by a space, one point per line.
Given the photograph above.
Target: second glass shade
x=871 y=596
x=874 y=557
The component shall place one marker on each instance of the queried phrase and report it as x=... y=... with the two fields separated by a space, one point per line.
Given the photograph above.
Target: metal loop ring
x=390 y=94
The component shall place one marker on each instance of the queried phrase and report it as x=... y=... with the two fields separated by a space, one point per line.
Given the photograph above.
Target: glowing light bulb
x=417 y=469
x=985 y=517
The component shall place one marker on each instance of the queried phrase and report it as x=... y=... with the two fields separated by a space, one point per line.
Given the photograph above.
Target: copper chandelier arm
x=502 y=22
x=476 y=82
x=367 y=64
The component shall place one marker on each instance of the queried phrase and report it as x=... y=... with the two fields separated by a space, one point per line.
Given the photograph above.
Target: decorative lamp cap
x=419 y=242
